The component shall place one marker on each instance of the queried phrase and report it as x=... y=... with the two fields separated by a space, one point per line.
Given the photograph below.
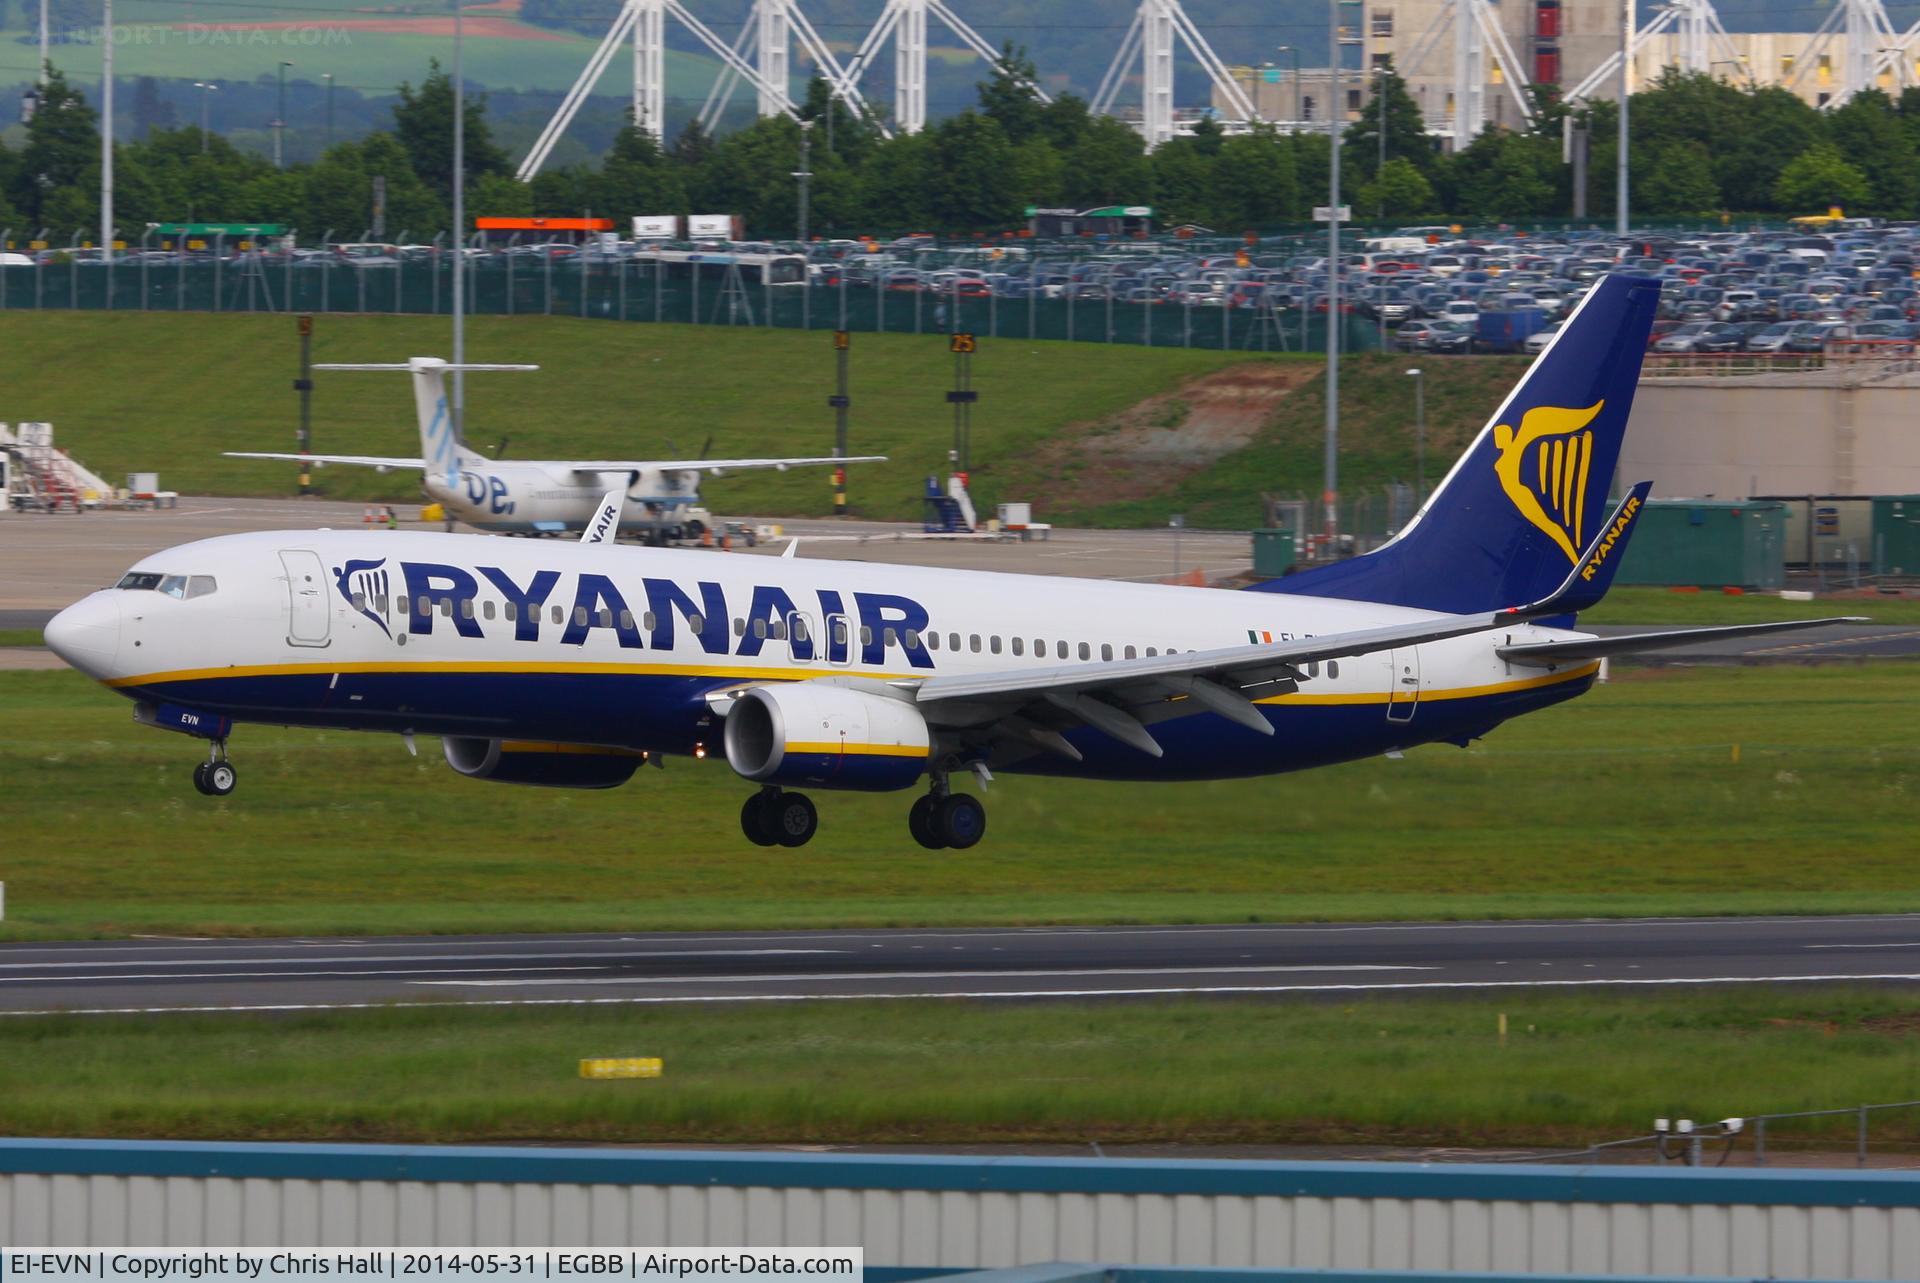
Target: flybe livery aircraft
x=529 y=496
x=572 y=665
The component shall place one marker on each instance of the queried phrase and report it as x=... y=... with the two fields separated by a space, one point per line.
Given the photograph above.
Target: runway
x=1411 y=958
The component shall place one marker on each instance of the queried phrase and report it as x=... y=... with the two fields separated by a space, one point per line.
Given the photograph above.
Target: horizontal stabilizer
x=359 y=460
x=1546 y=654
x=425 y=361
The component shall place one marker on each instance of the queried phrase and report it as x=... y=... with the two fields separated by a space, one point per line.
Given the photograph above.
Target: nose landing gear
x=216 y=777
x=775 y=817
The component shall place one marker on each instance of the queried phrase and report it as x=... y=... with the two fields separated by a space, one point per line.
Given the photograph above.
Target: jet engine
x=826 y=736
x=560 y=766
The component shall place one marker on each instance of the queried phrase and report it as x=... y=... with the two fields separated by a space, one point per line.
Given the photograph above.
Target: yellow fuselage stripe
x=863 y=750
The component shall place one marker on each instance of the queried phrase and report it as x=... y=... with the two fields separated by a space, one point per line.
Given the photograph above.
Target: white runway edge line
x=279 y=975
x=662 y=999
x=600 y=955
x=974 y=974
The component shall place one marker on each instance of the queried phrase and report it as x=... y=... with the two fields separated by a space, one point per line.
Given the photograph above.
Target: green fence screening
x=620 y=290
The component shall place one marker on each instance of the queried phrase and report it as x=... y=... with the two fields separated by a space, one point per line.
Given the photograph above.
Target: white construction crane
x=905 y=22
x=1475 y=28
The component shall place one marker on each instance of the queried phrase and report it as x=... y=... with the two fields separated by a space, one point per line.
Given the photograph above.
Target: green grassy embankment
x=1669 y=791
x=1574 y=1069
x=604 y=390
x=1663 y=606
x=21 y=637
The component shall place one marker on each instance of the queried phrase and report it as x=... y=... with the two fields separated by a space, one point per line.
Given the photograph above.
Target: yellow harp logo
x=1543 y=468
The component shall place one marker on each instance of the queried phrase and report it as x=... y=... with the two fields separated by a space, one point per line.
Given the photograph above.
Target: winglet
x=793 y=546
x=606 y=518
x=1593 y=573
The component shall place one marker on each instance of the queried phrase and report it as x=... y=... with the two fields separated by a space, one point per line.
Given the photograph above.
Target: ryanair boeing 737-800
x=571 y=665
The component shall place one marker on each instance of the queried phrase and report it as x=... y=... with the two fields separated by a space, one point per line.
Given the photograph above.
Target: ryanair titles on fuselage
x=645 y=614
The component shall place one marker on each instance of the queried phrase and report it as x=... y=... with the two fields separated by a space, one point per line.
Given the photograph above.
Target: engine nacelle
x=559 y=766
x=826 y=737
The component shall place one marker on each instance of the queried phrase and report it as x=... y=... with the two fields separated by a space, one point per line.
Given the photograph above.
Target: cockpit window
x=181 y=587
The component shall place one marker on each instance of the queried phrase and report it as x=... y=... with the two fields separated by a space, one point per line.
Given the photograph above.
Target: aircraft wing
x=1548 y=654
x=714 y=466
x=361 y=460
x=1122 y=697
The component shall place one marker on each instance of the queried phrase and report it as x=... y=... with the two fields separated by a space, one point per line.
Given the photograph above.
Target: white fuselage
x=625 y=646
x=554 y=497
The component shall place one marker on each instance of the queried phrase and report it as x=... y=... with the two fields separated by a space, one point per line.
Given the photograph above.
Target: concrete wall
x=937 y=1212
x=1733 y=437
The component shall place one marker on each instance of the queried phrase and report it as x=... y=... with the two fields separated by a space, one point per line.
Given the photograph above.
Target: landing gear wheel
x=200 y=778
x=920 y=823
x=793 y=819
x=756 y=821
x=216 y=779
x=960 y=821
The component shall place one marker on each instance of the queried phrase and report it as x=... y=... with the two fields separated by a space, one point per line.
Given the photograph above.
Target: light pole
x=1620 y=189
x=205 y=87
x=804 y=174
x=1289 y=49
x=328 y=77
x=458 y=411
x=1419 y=436
x=280 y=118
x=106 y=134
x=1331 y=495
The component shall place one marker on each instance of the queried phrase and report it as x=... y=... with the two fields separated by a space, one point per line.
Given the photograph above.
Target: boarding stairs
x=951 y=512
x=44 y=477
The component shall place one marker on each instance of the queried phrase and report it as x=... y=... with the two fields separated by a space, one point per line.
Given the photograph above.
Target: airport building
x=1568 y=43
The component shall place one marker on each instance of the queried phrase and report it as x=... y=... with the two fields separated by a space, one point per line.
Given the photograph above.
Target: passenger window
x=801 y=634
x=933 y=641
x=888 y=637
x=626 y=619
x=647 y=621
x=580 y=616
x=953 y=641
x=204 y=586
x=777 y=630
x=760 y=629
x=1060 y=649
x=739 y=627
x=606 y=617
x=359 y=601
x=1333 y=668
x=973 y=643
x=1019 y=645
x=466 y=608
x=446 y=608
x=380 y=604
x=1086 y=651
x=559 y=615
x=1152 y=651
x=486 y=608
x=1130 y=654
x=866 y=635
x=695 y=622
x=1106 y=650
x=839 y=632
x=993 y=643
x=513 y=612
x=1313 y=668
x=402 y=604
x=1039 y=648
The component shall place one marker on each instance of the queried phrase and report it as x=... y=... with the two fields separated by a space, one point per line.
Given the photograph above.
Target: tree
x=1400 y=190
x=58 y=178
x=1182 y=182
x=1011 y=97
x=1868 y=129
x=1407 y=137
x=1677 y=180
x=1108 y=165
x=637 y=178
x=423 y=123
x=1253 y=183
x=973 y=175
x=1818 y=177
x=896 y=182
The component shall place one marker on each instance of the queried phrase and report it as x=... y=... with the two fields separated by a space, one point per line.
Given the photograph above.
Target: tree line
x=1701 y=148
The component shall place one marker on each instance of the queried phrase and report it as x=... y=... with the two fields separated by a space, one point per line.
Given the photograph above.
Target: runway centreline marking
x=665 y=999
x=1891 y=944
x=976 y=973
x=603 y=955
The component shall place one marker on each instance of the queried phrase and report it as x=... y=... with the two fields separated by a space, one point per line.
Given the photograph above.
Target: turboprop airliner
x=528 y=496
x=574 y=664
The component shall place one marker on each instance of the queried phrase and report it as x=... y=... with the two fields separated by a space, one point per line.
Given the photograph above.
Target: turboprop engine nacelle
x=560 y=766
x=827 y=737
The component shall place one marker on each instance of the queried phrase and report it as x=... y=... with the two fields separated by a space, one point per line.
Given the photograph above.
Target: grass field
x=1699 y=609
x=1668 y=791
x=1573 y=1070
x=604 y=390
x=21 y=637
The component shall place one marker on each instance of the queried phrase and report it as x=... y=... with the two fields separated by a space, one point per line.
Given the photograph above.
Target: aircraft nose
x=87 y=633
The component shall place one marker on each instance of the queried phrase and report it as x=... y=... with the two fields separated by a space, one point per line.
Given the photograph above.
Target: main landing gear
x=775 y=817
x=942 y=819
x=216 y=777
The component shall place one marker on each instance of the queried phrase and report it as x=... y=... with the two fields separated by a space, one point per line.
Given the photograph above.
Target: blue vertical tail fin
x=1513 y=517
